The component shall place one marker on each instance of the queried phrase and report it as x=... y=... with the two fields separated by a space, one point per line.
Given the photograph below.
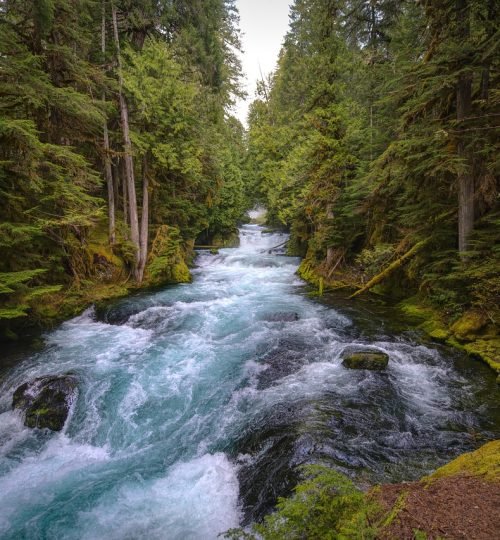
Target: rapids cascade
x=196 y=402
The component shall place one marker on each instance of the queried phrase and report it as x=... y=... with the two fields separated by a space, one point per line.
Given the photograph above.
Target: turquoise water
x=195 y=403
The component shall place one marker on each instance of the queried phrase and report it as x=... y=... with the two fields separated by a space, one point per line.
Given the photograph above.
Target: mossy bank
x=472 y=331
x=101 y=272
x=327 y=505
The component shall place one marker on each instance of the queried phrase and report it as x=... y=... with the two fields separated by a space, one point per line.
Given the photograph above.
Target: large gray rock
x=366 y=360
x=46 y=401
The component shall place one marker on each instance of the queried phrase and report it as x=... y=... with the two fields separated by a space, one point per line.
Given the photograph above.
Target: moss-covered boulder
x=46 y=401
x=372 y=360
x=469 y=325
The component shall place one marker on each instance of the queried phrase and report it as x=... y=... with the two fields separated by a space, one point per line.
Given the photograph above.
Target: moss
x=484 y=462
x=181 y=273
x=325 y=505
x=487 y=350
x=432 y=324
x=40 y=412
x=395 y=510
x=229 y=240
x=414 y=309
x=472 y=326
x=167 y=260
x=57 y=307
x=306 y=272
x=366 y=360
x=469 y=325
x=435 y=330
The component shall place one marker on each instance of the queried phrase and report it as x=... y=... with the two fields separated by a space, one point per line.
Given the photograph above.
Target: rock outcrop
x=46 y=401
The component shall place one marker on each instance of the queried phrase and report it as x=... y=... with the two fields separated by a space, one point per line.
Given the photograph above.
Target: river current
x=197 y=402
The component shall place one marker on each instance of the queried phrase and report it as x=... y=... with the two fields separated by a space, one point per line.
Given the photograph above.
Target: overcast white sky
x=263 y=24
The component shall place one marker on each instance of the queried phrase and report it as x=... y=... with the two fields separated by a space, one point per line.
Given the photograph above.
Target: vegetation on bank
x=376 y=143
x=327 y=505
x=117 y=147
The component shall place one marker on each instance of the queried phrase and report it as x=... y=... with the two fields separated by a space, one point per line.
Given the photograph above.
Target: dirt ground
x=458 y=507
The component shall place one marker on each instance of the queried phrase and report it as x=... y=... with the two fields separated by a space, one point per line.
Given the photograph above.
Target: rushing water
x=196 y=402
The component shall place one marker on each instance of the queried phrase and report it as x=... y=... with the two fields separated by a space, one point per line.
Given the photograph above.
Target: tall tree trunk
x=144 y=220
x=329 y=249
x=491 y=28
x=124 y=196
x=107 y=157
x=464 y=105
x=128 y=160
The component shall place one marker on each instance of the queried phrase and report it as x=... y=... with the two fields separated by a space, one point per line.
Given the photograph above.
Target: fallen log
x=395 y=264
x=269 y=250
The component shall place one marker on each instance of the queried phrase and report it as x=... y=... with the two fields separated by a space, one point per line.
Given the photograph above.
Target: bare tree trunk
x=485 y=77
x=107 y=157
x=329 y=250
x=128 y=160
x=144 y=221
x=124 y=195
x=464 y=104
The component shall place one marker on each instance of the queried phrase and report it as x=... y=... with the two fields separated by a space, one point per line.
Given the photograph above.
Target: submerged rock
x=282 y=316
x=366 y=360
x=46 y=401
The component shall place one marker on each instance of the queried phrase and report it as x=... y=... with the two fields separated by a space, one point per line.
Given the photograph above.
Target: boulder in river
x=373 y=360
x=282 y=316
x=46 y=401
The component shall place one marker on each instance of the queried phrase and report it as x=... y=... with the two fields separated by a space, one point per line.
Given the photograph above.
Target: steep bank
x=472 y=332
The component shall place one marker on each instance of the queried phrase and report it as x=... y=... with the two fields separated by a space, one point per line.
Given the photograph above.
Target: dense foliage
x=379 y=130
x=114 y=124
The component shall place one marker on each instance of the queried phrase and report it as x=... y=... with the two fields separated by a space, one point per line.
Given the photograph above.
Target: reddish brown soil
x=458 y=507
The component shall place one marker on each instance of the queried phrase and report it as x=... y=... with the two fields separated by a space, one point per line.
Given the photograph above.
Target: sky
x=263 y=24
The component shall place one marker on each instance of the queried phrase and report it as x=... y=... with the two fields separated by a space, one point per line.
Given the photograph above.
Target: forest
x=376 y=142
x=117 y=150
x=269 y=329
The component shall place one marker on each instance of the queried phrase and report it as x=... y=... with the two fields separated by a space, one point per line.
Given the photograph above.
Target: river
x=197 y=401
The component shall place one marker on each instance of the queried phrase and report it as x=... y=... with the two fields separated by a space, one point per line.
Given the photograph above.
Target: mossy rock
x=372 y=360
x=414 y=310
x=46 y=401
x=180 y=273
x=434 y=329
x=469 y=325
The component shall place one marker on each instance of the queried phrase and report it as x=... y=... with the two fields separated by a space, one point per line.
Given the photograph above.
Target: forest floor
x=460 y=500
x=455 y=507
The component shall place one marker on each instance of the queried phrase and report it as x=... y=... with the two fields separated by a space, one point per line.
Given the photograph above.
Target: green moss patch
x=371 y=360
x=484 y=462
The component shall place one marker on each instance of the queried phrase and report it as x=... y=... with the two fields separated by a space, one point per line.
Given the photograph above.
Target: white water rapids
x=196 y=402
